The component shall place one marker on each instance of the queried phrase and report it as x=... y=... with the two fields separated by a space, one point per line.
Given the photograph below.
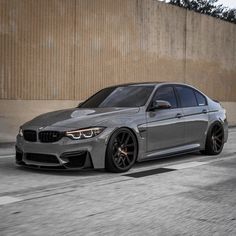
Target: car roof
x=156 y=84
x=147 y=84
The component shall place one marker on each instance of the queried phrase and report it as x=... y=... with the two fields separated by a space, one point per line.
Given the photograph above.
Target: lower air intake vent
x=44 y=158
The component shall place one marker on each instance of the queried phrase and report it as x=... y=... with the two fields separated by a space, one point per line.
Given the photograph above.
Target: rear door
x=195 y=111
x=165 y=127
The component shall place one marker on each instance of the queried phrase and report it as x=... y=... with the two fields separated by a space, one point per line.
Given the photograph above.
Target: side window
x=201 y=100
x=187 y=96
x=166 y=93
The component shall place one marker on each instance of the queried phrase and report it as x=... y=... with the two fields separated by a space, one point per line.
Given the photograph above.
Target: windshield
x=127 y=96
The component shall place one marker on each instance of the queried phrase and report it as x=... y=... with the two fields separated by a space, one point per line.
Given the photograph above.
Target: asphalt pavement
x=186 y=195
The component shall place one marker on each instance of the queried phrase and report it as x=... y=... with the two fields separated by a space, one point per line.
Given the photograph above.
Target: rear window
x=187 y=96
x=201 y=100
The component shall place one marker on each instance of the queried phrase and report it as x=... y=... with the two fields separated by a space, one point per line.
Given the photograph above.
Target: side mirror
x=160 y=104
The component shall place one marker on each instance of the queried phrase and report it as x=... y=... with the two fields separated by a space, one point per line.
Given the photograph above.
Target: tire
x=214 y=140
x=122 y=150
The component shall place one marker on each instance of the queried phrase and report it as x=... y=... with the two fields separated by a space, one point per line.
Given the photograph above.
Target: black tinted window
x=127 y=96
x=166 y=93
x=201 y=100
x=187 y=96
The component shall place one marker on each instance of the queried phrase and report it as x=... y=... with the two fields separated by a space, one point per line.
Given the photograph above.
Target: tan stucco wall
x=67 y=49
x=230 y=111
x=15 y=113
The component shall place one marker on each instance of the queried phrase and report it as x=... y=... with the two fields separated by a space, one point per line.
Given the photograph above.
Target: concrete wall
x=55 y=52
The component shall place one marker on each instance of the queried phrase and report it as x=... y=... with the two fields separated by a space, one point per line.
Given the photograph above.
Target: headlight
x=20 y=132
x=85 y=133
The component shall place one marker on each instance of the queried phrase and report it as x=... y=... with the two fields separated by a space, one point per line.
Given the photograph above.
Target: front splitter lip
x=53 y=168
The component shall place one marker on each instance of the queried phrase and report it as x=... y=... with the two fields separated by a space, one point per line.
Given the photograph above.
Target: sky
x=228 y=3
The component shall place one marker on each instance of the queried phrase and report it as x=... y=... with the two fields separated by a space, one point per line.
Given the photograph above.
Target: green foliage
x=208 y=7
x=230 y=15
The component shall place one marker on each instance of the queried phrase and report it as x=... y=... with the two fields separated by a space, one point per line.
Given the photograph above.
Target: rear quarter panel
x=218 y=113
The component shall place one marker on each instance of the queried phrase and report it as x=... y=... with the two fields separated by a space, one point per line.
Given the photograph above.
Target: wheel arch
x=218 y=121
x=213 y=123
x=122 y=127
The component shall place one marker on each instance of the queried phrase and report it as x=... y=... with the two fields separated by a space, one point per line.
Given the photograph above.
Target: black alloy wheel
x=121 y=151
x=215 y=140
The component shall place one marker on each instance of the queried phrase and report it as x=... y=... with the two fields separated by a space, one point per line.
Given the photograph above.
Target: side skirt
x=170 y=152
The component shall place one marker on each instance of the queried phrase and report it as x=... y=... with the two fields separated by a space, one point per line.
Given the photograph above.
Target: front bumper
x=68 y=160
x=64 y=154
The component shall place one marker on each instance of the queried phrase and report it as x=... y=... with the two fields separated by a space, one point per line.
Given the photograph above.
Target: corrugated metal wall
x=67 y=49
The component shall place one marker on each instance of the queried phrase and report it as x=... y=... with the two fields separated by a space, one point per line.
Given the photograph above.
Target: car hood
x=80 y=117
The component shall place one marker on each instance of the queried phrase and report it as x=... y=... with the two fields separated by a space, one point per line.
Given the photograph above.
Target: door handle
x=204 y=111
x=179 y=115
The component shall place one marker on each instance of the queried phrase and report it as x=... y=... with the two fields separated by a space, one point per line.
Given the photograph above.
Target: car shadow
x=169 y=160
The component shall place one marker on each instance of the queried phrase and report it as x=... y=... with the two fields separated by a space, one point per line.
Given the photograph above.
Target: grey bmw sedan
x=122 y=124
